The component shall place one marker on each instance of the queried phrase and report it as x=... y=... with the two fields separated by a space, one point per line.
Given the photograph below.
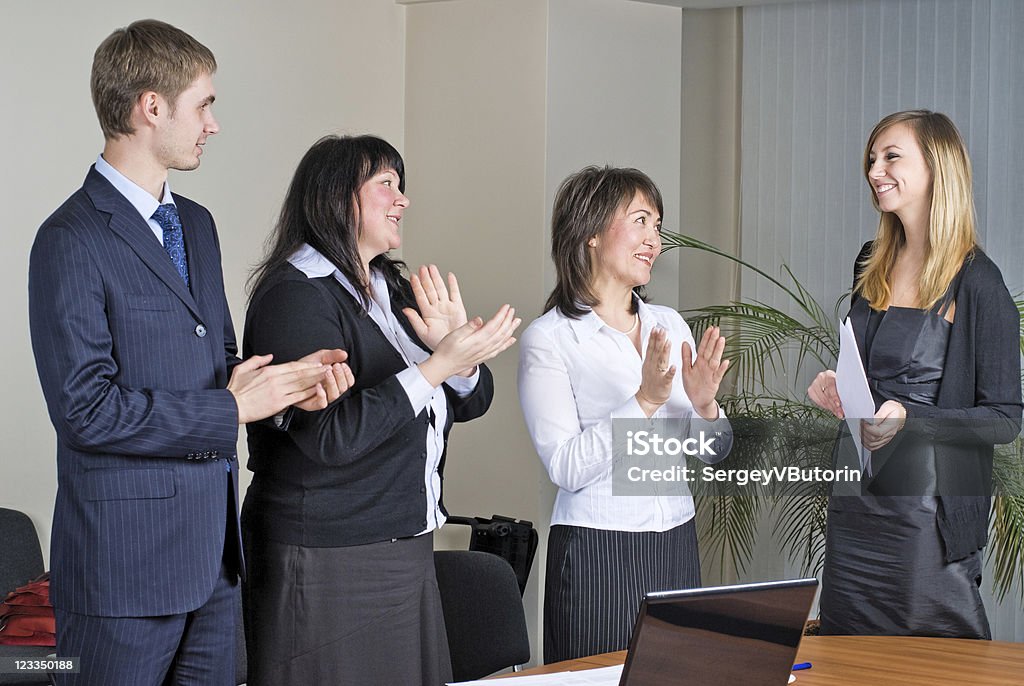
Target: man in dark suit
x=135 y=351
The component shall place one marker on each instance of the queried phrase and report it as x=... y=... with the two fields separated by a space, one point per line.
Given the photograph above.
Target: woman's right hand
x=656 y=373
x=824 y=394
x=472 y=343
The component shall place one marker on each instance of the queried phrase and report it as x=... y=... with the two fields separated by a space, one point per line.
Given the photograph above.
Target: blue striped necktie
x=174 y=243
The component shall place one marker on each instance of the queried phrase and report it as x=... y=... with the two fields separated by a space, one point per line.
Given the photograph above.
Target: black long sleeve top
x=352 y=473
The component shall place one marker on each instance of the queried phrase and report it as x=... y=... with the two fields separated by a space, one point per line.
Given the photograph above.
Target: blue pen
x=801 y=665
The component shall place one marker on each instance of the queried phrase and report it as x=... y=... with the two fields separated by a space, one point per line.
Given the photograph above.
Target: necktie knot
x=166 y=216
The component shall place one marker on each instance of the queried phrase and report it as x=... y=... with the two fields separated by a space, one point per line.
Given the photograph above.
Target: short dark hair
x=321 y=209
x=146 y=55
x=585 y=204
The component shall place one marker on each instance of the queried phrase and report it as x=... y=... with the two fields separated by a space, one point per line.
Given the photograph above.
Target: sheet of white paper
x=602 y=676
x=852 y=384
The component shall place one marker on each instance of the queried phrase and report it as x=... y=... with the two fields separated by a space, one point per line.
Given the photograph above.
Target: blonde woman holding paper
x=938 y=336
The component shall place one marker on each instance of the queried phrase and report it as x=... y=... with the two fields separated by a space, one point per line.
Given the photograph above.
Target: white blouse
x=575 y=377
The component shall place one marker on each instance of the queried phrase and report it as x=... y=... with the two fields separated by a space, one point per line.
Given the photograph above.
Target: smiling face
x=623 y=254
x=186 y=126
x=899 y=175
x=381 y=205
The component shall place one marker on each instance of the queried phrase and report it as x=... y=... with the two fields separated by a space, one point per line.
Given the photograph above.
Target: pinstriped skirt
x=596 y=579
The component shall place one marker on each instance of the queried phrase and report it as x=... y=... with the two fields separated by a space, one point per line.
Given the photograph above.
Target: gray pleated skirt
x=367 y=614
x=596 y=579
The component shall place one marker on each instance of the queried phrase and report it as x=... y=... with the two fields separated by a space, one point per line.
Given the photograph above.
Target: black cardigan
x=979 y=401
x=354 y=472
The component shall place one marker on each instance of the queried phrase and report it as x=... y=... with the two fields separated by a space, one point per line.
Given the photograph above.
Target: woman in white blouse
x=601 y=353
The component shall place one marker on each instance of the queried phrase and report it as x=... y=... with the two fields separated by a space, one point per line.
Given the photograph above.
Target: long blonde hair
x=951 y=223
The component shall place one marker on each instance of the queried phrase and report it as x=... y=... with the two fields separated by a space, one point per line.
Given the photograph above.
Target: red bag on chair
x=26 y=615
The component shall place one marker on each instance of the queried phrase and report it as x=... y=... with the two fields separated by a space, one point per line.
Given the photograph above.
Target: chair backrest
x=21 y=557
x=483 y=613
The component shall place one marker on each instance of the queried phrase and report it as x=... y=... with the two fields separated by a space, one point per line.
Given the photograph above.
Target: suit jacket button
x=200 y=330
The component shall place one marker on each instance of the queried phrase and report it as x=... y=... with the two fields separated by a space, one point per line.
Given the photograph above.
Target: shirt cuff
x=464 y=385
x=416 y=387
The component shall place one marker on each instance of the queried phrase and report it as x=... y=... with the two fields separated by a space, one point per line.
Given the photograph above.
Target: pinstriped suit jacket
x=134 y=369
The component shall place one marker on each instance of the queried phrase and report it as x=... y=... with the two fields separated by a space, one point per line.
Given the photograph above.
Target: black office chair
x=483 y=613
x=21 y=560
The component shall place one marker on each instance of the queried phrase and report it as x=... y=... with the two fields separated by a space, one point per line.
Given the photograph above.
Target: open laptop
x=719 y=636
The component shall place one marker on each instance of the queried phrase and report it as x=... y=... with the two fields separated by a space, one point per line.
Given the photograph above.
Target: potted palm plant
x=766 y=343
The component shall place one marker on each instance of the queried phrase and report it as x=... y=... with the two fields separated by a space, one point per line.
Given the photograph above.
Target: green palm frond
x=758 y=337
x=1020 y=313
x=1007 y=519
x=728 y=528
x=801 y=531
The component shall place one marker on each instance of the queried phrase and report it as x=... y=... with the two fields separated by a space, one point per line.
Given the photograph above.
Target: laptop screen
x=729 y=635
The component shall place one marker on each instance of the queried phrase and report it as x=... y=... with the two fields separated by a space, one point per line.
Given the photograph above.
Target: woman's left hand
x=440 y=309
x=702 y=376
x=888 y=421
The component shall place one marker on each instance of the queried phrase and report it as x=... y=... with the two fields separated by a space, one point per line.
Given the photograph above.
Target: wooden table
x=878 y=661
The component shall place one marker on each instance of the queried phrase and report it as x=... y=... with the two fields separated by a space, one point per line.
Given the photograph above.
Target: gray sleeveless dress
x=885 y=572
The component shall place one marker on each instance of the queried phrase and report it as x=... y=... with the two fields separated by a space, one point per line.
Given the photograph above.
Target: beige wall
x=475 y=106
x=709 y=157
x=288 y=73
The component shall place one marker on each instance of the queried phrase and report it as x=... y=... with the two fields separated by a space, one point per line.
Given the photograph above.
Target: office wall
x=475 y=159
x=287 y=75
x=709 y=159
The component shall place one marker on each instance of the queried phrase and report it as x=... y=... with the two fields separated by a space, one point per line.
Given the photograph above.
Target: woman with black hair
x=339 y=518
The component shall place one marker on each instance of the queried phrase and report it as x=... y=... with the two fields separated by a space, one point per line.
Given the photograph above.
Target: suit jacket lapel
x=126 y=222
